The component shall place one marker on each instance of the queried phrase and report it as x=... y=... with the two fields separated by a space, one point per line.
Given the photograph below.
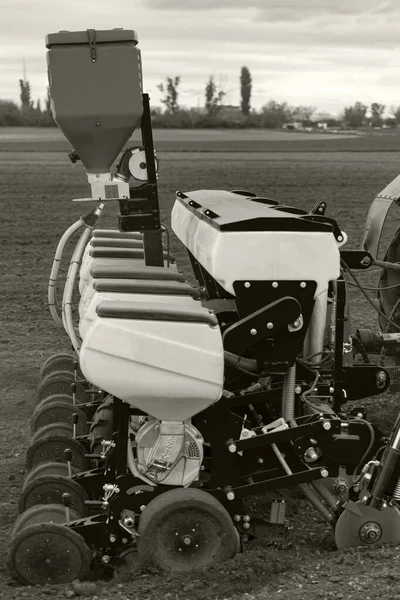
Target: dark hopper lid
x=82 y=37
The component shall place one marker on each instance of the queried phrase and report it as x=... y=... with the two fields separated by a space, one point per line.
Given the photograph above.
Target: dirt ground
x=36 y=189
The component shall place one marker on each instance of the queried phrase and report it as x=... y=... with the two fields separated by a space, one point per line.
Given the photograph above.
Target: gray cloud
x=321 y=52
x=283 y=10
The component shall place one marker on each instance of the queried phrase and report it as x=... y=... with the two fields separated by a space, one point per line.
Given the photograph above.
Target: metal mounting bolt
x=232 y=448
x=381 y=376
x=253 y=331
x=275 y=284
x=340 y=238
x=303 y=284
x=247 y=284
x=237 y=518
x=246 y=525
x=326 y=425
x=324 y=473
x=366 y=261
x=105 y=559
x=246 y=518
x=297 y=389
x=230 y=495
x=270 y=325
x=261 y=461
x=113 y=538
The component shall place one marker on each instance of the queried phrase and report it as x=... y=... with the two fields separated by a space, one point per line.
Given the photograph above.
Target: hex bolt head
x=297 y=389
x=381 y=376
x=303 y=284
x=230 y=495
x=275 y=284
x=324 y=473
x=341 y=488
x=270 y=325
x=247 y=284
x=246 y=525
x=237 y=518
x=253 y=331
x=232 y=448
x=327 y=425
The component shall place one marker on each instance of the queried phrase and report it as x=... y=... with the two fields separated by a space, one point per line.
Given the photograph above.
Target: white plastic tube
x=71 y=278
x=52 y=299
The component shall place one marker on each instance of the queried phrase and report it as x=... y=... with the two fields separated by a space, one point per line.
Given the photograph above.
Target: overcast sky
x=325 y=53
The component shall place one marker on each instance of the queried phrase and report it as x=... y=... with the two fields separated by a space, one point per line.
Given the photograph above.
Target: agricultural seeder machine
x=177 y=402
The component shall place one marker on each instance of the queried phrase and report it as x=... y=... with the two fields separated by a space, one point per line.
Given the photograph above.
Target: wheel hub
x=187 y=540
x=370 y=532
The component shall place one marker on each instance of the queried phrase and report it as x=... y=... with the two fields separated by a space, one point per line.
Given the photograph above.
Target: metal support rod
x=339 y=331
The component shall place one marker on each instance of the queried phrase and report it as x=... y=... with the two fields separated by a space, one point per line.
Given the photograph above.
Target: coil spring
x=396 y=493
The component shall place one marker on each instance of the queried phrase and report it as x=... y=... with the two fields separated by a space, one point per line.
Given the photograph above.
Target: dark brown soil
x=36 y=190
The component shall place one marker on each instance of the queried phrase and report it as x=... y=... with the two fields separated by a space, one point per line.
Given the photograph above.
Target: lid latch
x=92 y=43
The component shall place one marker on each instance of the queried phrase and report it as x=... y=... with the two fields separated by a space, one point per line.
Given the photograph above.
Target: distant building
x=295 y=125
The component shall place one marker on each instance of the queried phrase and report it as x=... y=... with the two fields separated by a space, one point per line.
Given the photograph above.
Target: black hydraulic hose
x=248 y=365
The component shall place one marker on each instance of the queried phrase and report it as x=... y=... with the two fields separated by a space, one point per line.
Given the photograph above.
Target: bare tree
x=355 y=115
x=377 y=111
x=171 y=93
x=213 y=98
x=275 y=114
x=395 y=112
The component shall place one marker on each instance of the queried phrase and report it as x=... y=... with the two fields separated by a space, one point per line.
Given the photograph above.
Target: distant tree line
x=214 y=113
x=28 y=113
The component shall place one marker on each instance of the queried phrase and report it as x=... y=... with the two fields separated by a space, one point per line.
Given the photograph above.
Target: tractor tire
x=102 y=425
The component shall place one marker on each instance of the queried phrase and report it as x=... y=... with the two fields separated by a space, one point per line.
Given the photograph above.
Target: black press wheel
x=59 y=412
x=62 y=361
x=51 y=447
x=185 y=530
x=48 y=553
x=42 y=513
x=59 y=382
x=64 y=429
x=48 y=468
x=54 y=398
x=49 y=490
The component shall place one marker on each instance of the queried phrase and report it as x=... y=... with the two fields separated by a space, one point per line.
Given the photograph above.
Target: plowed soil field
x=37 y=184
